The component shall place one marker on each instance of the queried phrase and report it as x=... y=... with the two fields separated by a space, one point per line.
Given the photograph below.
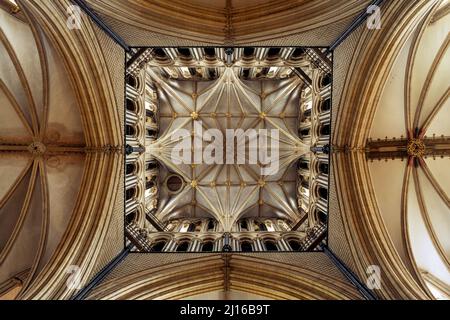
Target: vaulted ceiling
x=230 y=191
x=413 y=190
x=41 y=148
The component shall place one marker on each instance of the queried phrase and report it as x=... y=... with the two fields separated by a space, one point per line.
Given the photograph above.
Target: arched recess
x=370 y=240
x=415 y=203
x=198 y=22
x=180 y=277
x=91 y=219
x=42 y=143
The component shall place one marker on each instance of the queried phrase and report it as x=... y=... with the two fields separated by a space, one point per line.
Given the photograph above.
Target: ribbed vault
x=395 y=107
x=62 y=169
x=229 y=191
x=42 y=157
x=412 y=148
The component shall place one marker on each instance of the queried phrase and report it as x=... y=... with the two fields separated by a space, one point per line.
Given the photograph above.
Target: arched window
x=322 y=216
x=207 y=246
x=246 y=246
x=130 y=168
x=249 y=51
x=131 y=106
x=210 y=52
x=130 y=130
x=130 y=193
x=326 y=105
x=151 y=133
x=158 y=246
x=304 y=132
x=303 y=164
x=244 y=225
x=159 y=53
x=323 y=193
x=131 y=81
x=294 y=244
x=273 y=52
x=191 y=227
x=183 y=246
x=270 y=245
x=185 y=52
x=326 y=80
x=323 y=167
x=262 y=227
x=325 y=130
x=151 y=165
x=149 y=113
x=211 y=225
x=305 y=183
x=198 y=226
x=297 y=52
x=149 y=184
x=130 y=217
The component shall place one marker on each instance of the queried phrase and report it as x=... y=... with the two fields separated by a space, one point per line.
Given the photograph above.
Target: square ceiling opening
x=227 y=149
